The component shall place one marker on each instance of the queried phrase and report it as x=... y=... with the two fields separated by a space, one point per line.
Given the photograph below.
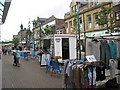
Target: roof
x=52 y=18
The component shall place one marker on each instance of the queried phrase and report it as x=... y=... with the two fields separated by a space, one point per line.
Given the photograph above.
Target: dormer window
x=93 y=3
x=98 y=1
x=73 y=10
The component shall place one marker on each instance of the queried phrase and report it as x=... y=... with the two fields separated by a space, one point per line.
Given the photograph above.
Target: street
x=28 y=75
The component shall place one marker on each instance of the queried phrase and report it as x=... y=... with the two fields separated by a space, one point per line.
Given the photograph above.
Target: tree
x=48 y=30
x=28 y=36
x=75 y=24
x=105 y=18
x=16 y=41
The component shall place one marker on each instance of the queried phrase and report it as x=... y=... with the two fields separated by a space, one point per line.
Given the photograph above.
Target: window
x=57 y=32
x=89 y=21
x=38 y=34
x=61 y=32
x=95 y=19
x=98 y=1
x=93 y=3
x=73 y=9
x=70 y=25
x=76 y=8
x=117 y=14
x=66 y=27
x=80 y=23
x=89 y=18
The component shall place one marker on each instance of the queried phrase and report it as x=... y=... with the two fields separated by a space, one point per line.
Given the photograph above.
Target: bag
x=112 y=83
x=41 y=52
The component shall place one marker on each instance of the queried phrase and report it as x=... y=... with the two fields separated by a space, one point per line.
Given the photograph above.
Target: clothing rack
x=92 y=64
x=101 y=37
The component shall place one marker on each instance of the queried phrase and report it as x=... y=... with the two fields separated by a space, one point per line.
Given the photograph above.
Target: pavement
x=28 y=75
x=31 y=75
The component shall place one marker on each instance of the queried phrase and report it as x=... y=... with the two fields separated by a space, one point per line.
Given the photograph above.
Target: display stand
x=44 y=57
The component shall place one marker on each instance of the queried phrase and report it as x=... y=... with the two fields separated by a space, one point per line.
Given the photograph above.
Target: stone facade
x=23 y=32
x=116 y=13
x=87 y=16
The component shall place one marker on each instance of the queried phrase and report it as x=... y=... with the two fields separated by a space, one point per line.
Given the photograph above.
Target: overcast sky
x=21 y=10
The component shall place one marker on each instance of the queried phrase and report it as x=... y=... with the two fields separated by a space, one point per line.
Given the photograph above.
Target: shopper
x=9 y=50
x=18 y=55
x=41 y=52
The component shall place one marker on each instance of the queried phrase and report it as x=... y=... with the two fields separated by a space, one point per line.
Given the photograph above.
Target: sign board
x=44 y=57
x=91 y=58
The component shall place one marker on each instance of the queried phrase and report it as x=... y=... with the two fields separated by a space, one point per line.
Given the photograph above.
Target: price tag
x=91 y=58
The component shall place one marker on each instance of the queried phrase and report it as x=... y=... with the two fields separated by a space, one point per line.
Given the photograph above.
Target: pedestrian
x=5 y=50
x=9 y=50
x=18 y=55
x=41 y=52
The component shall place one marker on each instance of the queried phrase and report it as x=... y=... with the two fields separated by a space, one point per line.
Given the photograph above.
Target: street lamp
x=38 y=19
x=21 y=27
x=33 y=33
x=78 y=30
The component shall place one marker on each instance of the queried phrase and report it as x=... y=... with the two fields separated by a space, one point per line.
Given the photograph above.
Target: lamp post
x=29 y=34
x=79 y=30
x=38 y=19
x=33 y=34
x=21 y=27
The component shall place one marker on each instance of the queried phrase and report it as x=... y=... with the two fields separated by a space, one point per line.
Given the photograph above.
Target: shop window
x=117 y=14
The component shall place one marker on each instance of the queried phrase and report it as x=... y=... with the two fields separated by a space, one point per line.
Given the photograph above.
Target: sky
x=21 y=11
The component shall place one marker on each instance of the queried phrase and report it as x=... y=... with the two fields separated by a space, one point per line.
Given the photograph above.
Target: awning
x=23 y=42
x=31 y=41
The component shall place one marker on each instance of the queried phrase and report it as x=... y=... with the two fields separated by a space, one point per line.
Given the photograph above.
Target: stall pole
x=79 y=33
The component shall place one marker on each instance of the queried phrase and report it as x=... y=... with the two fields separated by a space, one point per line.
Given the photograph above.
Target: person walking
x=41 y=52
x=18 y=55
x=9 y=50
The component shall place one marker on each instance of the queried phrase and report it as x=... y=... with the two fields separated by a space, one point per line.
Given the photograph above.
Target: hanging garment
x=100 y=73
x=112 y=50
x=113 y=67
x=93 y=48
x=119 y=65
x=90 y=77
x=117 y=49
x=105 y=53
x=78 y=77
x=86 y=75
x=68 y=69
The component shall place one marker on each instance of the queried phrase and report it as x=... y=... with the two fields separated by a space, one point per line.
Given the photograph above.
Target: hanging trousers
x=105 y=53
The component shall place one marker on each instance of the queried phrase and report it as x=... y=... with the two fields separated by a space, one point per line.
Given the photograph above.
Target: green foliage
x=48 y=30
x=75 y=23
x=15 y=41
x=105 y=18
x=28 y=34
